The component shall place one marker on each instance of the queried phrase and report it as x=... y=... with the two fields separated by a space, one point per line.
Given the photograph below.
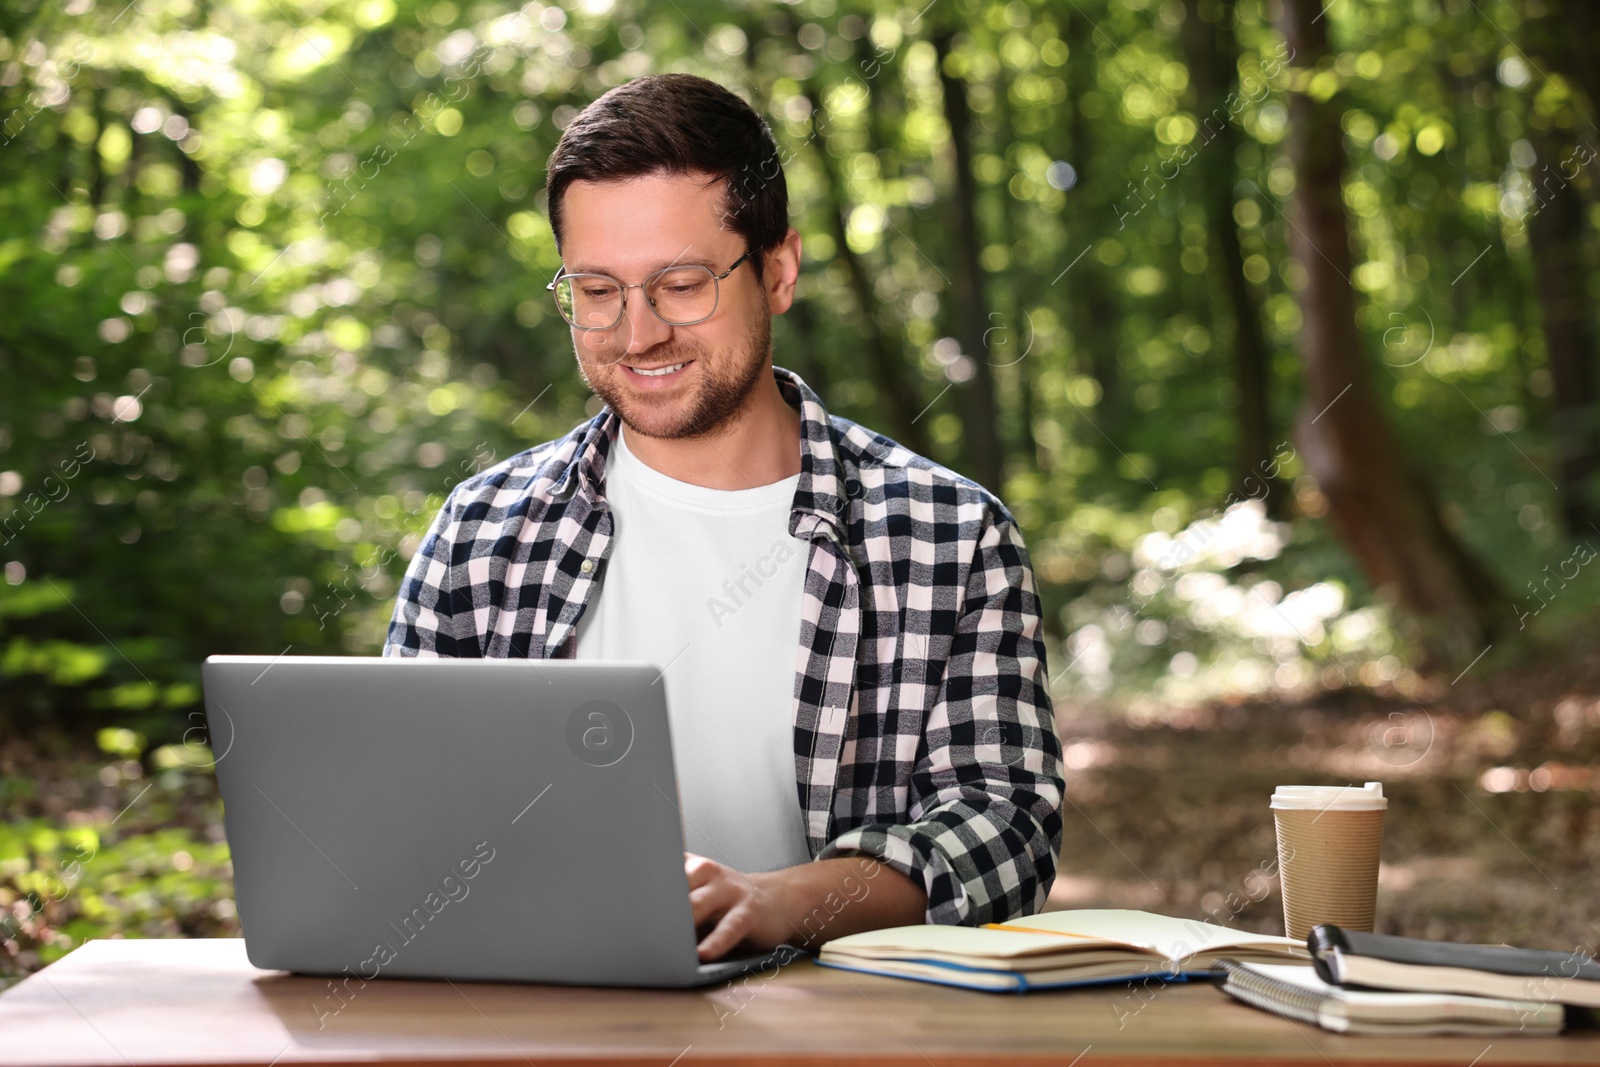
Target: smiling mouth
x=657 y=372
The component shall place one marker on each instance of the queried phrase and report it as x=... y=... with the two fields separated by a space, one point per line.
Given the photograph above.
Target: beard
x=724 y=383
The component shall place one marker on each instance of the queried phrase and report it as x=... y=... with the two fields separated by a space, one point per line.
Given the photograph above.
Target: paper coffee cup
x=1329 y=840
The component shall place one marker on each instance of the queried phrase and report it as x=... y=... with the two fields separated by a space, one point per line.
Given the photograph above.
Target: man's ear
x=780 y=271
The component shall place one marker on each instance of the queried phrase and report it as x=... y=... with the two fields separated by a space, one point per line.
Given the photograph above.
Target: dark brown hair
x=678 y=124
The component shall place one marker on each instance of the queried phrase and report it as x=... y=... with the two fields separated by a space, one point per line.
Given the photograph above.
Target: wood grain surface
x=145 y=1002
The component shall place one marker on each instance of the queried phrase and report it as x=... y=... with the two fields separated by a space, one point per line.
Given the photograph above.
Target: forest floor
x=1493 y=828
x=1492 y=833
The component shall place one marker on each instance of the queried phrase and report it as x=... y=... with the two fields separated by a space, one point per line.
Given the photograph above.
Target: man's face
x=627 y=229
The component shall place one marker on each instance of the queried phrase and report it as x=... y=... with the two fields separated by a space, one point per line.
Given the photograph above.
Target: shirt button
x=586 y=566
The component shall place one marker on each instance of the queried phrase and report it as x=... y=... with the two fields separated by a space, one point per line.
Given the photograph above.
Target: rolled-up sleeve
x=425 y=622
x=986 y=790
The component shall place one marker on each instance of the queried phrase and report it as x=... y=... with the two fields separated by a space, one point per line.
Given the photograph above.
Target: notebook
x=1055 y=950
x=1299 y=993
x=1350 y=957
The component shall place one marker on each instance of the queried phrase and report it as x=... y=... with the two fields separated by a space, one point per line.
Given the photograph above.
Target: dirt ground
x=1492 y=833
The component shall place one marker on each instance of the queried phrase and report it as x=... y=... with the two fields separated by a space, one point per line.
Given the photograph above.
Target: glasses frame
x=622 y=311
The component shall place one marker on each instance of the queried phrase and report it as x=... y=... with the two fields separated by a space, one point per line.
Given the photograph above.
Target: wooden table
x=142 y=1002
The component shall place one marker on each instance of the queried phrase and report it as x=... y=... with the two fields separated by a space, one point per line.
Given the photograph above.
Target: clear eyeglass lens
x=679 y=295
x=589 y=300
x=683 y=294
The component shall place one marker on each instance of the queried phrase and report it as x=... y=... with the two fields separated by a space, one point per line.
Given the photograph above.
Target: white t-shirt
x=707 y=584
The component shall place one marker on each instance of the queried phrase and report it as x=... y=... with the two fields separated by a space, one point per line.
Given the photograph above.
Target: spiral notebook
x=1298 y=993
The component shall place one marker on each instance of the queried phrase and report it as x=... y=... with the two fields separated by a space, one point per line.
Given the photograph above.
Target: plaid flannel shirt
x=924 y=734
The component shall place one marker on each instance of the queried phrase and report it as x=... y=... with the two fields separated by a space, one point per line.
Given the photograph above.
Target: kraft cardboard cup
x=1329 y=840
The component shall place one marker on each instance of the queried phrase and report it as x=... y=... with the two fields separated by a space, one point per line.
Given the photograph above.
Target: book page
x=1141 y=934
x=1172 y=938
x=962 y=941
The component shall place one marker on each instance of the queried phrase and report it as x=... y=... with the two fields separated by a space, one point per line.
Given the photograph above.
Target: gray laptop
x=489 y=820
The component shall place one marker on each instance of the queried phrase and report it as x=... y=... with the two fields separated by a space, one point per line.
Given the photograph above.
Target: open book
x=1056 y=949
x=1298 y=993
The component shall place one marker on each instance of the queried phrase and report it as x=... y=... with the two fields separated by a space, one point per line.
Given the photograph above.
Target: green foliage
x=135 y=856
x=273 y=283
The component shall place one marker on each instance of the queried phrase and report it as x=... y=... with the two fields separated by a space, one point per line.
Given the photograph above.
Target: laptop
x=475 y=819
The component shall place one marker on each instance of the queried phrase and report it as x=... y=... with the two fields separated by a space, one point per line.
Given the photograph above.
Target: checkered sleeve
x=426 y=620
x=986 y=792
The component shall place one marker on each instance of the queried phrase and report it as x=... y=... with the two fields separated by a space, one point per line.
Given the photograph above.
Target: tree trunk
x=894 y=382
x=1557 y=35
x=803 y=360
x=1556 y=234
x=1213 y=71
x=804 y=356
x=1380 y=507
x=97 y=166
x=1561 y=37
x=1012 y=370
x=186 y=163
x=980 y=437
x=1092 y=299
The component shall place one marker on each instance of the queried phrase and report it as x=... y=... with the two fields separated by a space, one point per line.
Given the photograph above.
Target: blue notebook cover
x=1019 y=980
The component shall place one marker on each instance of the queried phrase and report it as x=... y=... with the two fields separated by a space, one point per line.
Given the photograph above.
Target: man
x=849 y=633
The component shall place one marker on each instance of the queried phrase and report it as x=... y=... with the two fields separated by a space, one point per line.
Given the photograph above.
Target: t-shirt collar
x=820 y=492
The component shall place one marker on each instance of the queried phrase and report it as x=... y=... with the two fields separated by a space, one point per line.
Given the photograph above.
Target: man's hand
x=804 y=905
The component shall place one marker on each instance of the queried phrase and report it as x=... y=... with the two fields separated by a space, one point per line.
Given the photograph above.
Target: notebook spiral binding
x=1269 y=994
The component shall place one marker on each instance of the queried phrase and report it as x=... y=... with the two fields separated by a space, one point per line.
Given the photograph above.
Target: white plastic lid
x=1331 y=797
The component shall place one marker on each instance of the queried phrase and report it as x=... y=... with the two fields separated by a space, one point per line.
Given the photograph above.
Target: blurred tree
x=1094 y=322
x=896 y=391
x=1556 y=36
x=1382 y=507
x=1214 y=75
x=969 y=303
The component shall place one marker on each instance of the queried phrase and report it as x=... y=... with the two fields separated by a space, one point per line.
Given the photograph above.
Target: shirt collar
x=821 y=491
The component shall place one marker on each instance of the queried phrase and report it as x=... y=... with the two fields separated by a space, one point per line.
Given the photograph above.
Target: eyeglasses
x=679 y=296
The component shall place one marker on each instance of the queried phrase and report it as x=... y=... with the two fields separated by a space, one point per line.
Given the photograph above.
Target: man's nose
x=643 y=328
